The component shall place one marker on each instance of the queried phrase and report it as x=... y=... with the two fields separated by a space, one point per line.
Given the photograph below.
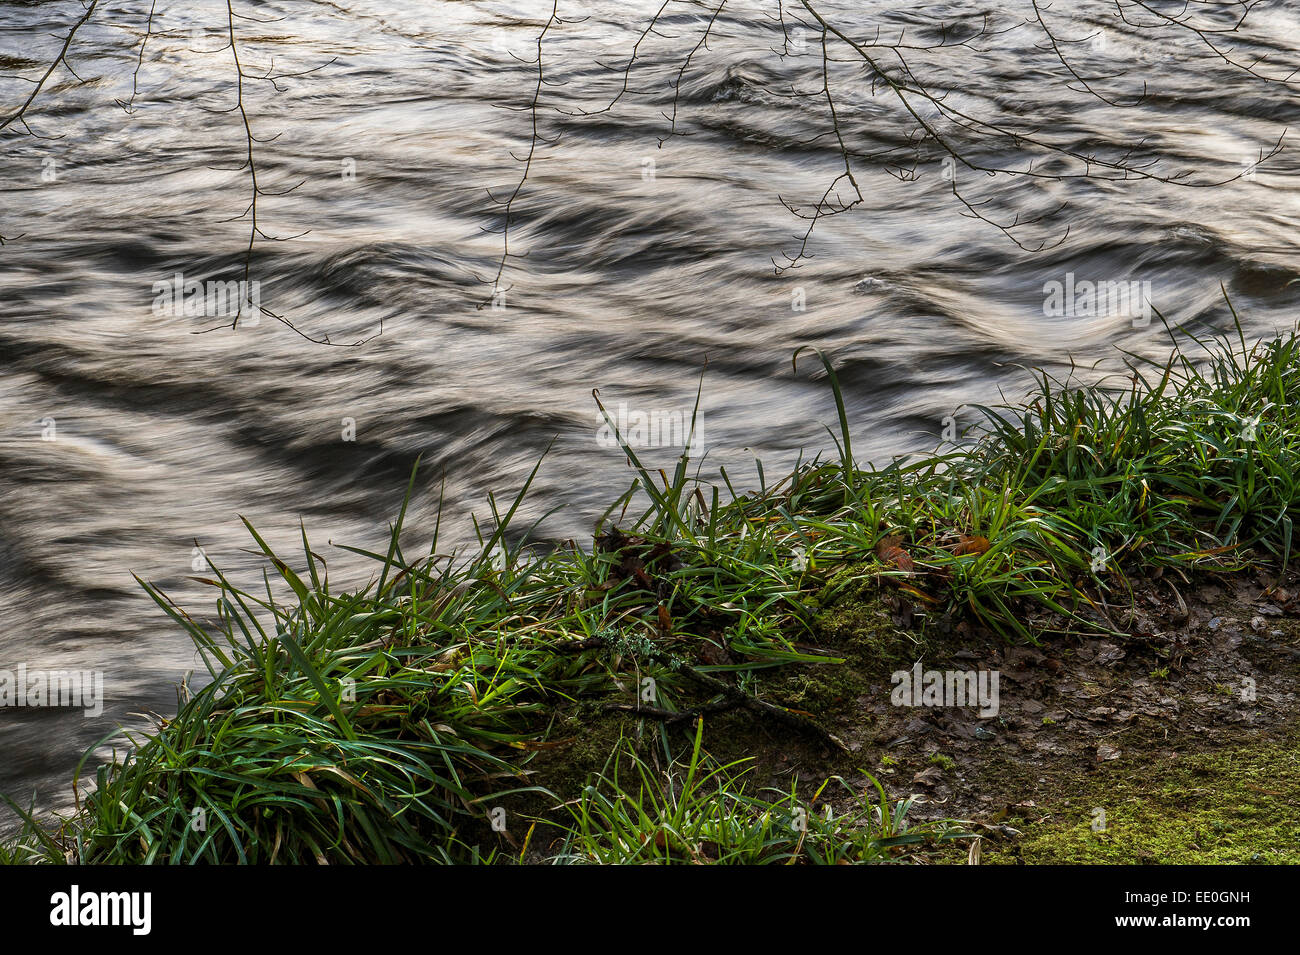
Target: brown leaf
x=636 y=569
x=971 y=545
x=888 y=552
x=928 y=777
x=665 y=621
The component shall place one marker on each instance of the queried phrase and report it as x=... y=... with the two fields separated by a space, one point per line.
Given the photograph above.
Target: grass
x=383 y=724
x=706 y=816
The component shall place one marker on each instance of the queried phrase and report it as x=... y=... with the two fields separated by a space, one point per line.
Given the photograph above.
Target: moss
x=850 y=616
x=850 y=619
x=586 y=741
x=1234 y=805
x=821 y=689
x=942 y=761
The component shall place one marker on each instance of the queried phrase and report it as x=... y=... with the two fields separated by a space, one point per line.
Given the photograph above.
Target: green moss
x=1235 y=805
x=587 y=740
x=821 y=689
x=851 y=617
x=942 y=761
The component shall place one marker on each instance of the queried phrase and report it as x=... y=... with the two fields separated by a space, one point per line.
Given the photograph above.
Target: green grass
x=381 y=724
x=700 y=812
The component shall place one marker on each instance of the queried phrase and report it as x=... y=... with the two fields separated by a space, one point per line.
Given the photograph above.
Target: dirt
x=1173 y=740
x=1097 y=735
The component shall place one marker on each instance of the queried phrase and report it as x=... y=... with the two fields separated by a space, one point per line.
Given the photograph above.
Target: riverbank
x=717 y=678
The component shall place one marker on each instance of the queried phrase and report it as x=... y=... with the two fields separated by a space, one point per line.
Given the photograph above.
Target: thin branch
x=19 y=113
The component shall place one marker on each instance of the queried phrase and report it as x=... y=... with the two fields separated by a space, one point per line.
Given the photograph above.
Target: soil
x=1172 y=740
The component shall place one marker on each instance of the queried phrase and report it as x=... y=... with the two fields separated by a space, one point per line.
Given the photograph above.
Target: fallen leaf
x=971 y=545
x=888 y=552
x=928 y=777
x=665 y=621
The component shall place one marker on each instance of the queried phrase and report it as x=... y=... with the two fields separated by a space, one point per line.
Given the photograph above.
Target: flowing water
x=130 y=437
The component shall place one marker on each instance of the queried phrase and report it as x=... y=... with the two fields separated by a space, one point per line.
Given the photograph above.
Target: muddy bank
x=1172 y=740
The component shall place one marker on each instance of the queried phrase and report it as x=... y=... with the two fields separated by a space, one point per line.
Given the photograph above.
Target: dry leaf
x=665 y=621
x=971 y=545
x=928 y=777
x=888 y=552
